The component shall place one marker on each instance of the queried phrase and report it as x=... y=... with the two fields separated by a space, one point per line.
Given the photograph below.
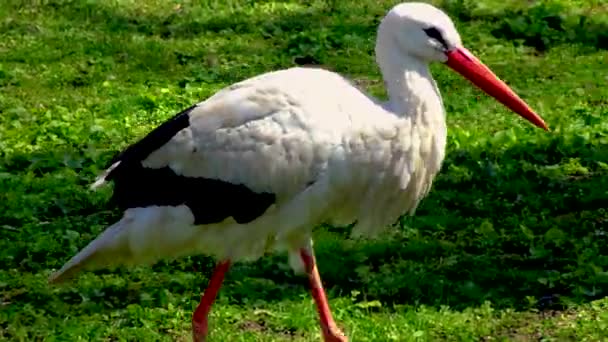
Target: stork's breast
x=383 y=173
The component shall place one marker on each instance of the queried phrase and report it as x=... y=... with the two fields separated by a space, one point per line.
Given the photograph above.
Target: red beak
x=466 y=64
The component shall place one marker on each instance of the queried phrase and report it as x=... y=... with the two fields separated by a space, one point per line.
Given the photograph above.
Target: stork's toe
x=199 y=331
x=334 y=334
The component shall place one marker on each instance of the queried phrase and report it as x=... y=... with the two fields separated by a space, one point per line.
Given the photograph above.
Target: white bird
x=257 y=165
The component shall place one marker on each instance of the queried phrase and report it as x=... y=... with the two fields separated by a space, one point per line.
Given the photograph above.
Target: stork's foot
x=201 y=314
x=333 y=334
x=199 y=331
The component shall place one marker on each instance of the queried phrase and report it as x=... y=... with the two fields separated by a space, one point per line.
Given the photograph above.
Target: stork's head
x=421 y=31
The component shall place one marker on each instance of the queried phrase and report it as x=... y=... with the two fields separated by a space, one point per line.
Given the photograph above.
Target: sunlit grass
x=510 y=245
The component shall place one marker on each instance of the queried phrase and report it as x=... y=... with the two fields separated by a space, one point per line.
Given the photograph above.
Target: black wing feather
x=210 y=200
x=151 y=142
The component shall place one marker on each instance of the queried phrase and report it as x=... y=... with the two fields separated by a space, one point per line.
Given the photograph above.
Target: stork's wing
x=233 y=155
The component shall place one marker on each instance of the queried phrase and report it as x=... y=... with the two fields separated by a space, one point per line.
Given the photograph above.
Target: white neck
x=411 y=88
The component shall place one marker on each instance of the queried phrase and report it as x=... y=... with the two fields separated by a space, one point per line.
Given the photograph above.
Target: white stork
x=257 y=165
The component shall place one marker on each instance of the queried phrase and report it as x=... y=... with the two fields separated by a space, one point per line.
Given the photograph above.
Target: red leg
x=331 y=332
x=199 y=318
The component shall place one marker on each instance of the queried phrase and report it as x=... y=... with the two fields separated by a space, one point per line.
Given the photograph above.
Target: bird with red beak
x=259 y=164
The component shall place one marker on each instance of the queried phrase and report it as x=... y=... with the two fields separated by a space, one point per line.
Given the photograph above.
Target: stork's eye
x=434 y=33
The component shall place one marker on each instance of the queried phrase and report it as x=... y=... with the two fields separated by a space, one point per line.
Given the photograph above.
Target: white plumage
x=285 y=133
x=326 y=151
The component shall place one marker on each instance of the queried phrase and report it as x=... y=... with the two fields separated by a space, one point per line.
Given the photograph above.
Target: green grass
x=511 y=244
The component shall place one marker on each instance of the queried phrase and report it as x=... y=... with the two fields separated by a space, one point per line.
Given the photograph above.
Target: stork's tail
x=90 y=255
x=97 y=254
x=142 y=236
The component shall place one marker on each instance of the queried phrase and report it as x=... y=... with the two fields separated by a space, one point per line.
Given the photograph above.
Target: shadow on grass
x=513 y=227
x=522 y=230
x=538 y=25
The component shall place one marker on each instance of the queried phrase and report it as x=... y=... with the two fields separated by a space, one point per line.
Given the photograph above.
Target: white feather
x=329 y=152
x=101 y=180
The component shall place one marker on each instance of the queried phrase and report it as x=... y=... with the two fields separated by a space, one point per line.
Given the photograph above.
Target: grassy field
x=511 y=244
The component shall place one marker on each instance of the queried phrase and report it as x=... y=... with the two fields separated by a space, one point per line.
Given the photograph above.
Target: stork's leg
x=331 y=332
x=199 y=318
